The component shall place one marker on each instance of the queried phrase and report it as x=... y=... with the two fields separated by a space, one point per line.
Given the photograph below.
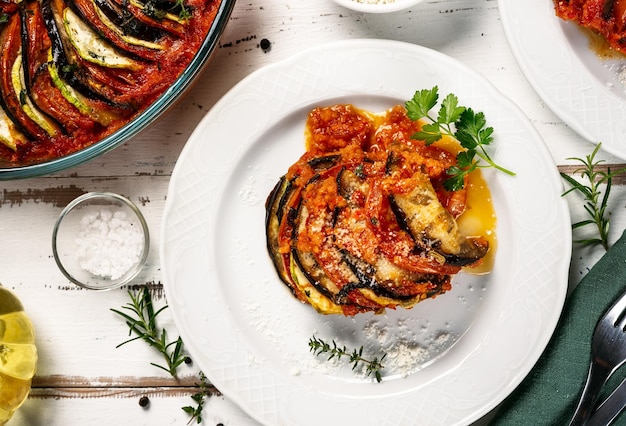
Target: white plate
x=393 y=6
x=468 y=348
x=588 y=93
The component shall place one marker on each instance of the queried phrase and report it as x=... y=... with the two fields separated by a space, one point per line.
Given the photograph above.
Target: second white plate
x=586 y=92
x=450 y=359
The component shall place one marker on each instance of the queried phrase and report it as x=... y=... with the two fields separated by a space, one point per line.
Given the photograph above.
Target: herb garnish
x=4 y=18
x=595 y=202
x=183 y=13
x=372 y=366
x=145 y=327
x=459 y=122
x=199 y=398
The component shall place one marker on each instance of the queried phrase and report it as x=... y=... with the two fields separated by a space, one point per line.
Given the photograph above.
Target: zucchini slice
x=68 y=91
x=17 y=79
x=9 y=135
x=91 y=47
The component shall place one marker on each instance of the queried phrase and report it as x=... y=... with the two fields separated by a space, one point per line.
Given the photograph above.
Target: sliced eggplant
x=319 y=300
x=129 y=39
x=274 y=212
x=295 y=269
x=324 y=162
x=433 y=228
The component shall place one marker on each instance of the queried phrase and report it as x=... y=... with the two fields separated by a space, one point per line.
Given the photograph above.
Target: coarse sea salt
x=108 y=243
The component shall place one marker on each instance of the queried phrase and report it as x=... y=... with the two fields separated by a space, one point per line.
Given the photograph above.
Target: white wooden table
x=82 y=377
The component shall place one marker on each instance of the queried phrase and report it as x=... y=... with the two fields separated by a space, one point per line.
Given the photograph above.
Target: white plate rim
x=539 y=312
x=562 y=76
x=378 y=8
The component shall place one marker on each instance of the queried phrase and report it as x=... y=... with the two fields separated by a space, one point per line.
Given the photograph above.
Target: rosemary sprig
x=595 y=201
x=372 y=366
x=144 y=325
x=199 y=398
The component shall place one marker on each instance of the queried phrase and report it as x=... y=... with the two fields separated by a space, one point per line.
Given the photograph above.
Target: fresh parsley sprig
x=595 y=202
x=144 y=325
x=469 y=128
x=372 y=366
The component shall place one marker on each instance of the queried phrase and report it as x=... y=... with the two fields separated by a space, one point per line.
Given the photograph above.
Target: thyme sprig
x=199 y=398
x=372 y=366
x=469 y=128
x=184 y=12
x=596 y=202
x=144 y=325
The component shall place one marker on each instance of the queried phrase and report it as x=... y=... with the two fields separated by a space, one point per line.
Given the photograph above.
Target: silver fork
x=608 y=353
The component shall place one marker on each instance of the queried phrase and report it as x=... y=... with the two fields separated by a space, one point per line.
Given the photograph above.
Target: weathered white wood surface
x=82 y=377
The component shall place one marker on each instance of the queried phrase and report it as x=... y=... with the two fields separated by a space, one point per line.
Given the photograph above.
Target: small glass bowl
x=378 y=7
x=100 y=241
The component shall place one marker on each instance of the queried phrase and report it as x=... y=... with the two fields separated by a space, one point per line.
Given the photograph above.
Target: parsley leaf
x=421 y=104
x=469 y=128
x=450 y=110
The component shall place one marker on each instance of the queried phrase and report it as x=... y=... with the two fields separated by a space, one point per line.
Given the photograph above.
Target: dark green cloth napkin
x=550 y=393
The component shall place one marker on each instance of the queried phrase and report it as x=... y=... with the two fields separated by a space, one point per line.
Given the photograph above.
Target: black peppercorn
x=144 y=401
x=265 y=44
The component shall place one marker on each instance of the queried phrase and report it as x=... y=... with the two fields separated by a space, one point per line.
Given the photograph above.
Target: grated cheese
x=108 y=244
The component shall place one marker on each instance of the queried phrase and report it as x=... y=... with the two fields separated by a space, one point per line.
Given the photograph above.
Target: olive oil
x=18 y=355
